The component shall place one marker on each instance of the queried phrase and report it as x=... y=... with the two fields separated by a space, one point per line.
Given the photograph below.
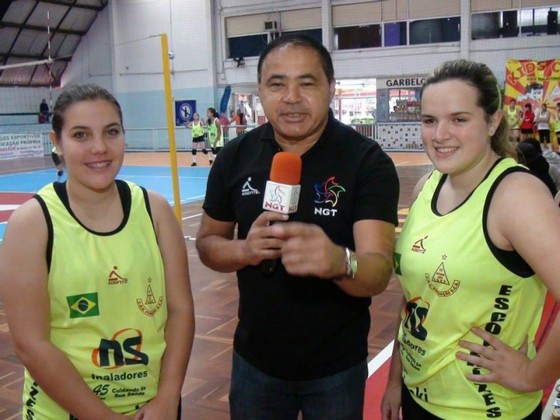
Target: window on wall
x=430 y=31
x=354 y=37
x=394 y=34
x=539 y=21
x=316 y=34
x=252 y=45
x=246 y=46
x=494 y=25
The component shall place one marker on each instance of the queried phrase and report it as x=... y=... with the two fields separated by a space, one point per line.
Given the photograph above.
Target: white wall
x=395 y=61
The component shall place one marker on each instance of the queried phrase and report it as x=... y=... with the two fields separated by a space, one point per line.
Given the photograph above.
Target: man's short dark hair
x=303 y=40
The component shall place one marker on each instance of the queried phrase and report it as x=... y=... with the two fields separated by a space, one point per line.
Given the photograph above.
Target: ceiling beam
x=40 y=28
x=75 y=4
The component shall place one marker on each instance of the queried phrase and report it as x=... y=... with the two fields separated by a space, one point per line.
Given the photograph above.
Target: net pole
x=171 y=127
x=49 y=61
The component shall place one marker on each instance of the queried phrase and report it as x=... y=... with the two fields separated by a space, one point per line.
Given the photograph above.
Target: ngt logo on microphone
x=281 y=198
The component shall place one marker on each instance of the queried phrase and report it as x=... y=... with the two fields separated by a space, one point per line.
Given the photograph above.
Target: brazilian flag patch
x=83 y=306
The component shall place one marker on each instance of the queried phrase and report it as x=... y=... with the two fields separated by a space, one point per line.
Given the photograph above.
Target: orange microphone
x=281 y=194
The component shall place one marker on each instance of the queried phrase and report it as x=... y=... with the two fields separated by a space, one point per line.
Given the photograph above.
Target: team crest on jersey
x=115 y=278
x=439 y=281
x=418 y=246
x=150 y=304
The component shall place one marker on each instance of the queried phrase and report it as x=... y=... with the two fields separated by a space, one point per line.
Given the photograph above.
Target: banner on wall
x=20 y=145
x=534 y=82
x=184 y=111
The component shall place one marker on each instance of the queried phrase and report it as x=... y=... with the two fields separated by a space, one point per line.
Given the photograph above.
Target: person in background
x=240 y=122
x=301 y=342
x=527 y=122
x=473 y=279
x=215 y=135
x=102 y=263
x=542 y=122
x=197 y=131
x=557 y=123
x=57 y=163
x=514 y=121
x=44 y=112
x=224 y=122
x=529 y=153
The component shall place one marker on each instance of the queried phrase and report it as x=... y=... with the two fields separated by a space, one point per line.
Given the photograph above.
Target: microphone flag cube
x=281 y=198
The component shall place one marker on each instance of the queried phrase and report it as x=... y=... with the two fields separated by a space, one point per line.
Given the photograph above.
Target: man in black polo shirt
x=301 y=341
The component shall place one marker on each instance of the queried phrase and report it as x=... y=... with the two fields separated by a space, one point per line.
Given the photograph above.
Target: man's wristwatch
x=351 y=264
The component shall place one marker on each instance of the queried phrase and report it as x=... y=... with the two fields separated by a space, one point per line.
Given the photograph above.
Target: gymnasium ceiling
x=24 y=36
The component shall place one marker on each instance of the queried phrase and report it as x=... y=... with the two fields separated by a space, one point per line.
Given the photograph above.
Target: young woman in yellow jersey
x=474 y=260
x=94 y=279
x=513 y=115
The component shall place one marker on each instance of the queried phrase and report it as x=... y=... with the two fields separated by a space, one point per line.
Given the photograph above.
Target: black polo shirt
x=299 y=328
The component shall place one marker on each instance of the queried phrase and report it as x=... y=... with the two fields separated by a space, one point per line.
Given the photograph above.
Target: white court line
x=192 y=217
x=384 y=355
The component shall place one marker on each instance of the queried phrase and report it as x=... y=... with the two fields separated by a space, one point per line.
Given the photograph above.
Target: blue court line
x=192 y=182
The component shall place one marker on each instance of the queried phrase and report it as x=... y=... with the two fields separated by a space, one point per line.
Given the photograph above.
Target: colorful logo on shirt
x=123 y=348
x=416 y=312
x=150 y=304
x=328 y=192
x=439 y=281
x=418 y=246
x=115 y=277
x=83 y=306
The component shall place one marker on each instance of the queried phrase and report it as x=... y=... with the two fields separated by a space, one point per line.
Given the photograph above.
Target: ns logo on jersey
x=416 y=312
x=124 y=348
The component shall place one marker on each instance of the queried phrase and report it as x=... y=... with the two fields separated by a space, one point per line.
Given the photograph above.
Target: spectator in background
x=197 y=134
x=58 y=163
x=514 y=121
x=557 y=124
x=527 y=122
x=44 y=112
x=240 y=122
x=542 y=122
x=529 y=153
x=215 y=135
x=224 y=122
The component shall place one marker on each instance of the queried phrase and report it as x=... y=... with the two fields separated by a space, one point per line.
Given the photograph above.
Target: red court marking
x=12 y=199
x=375 y=387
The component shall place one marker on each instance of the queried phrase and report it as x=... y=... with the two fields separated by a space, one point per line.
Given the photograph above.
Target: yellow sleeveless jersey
x=107 y=302
x=454 y=279
x=513 y=118
x=197 y=130
x=213 y=135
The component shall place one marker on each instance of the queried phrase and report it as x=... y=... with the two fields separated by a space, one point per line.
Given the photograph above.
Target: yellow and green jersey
x=213 y=135
x=454 y=279
x=197 y=130
x=107 y=303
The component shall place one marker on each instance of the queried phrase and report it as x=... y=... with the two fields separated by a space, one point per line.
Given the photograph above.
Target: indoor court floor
x=205 y=391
